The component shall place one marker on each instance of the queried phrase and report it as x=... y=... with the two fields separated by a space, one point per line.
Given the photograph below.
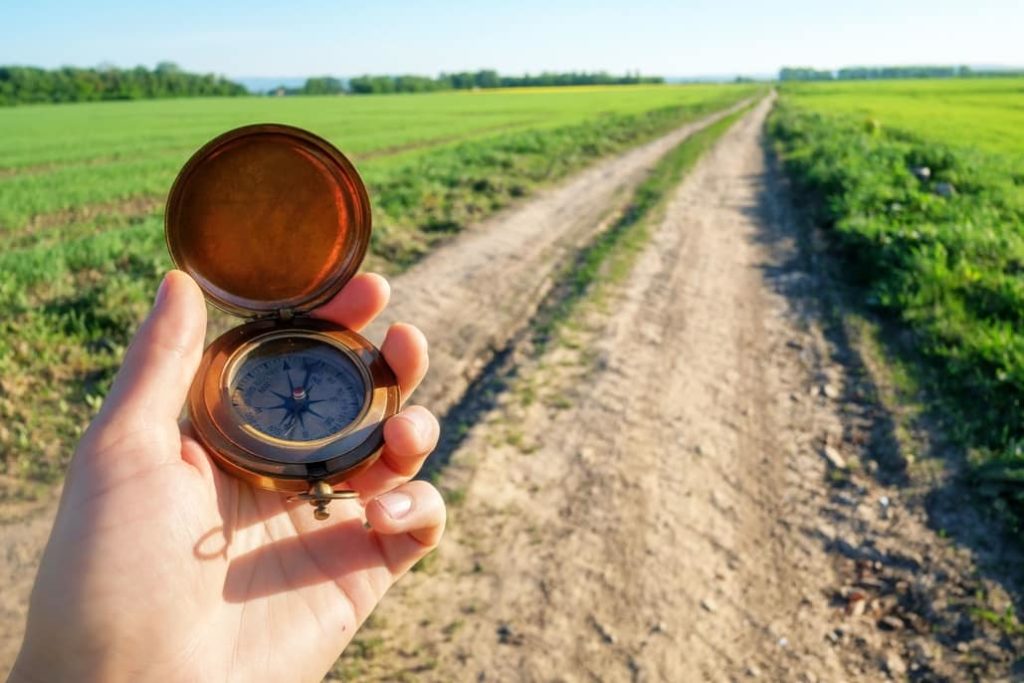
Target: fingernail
x=396 y=504
x=161 y=292
x=419 y=425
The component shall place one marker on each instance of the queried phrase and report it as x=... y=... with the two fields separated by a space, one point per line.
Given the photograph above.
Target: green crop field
x=82 y=187
x=922 y=184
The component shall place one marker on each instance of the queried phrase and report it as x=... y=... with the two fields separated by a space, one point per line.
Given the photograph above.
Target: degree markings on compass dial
x=297 y=390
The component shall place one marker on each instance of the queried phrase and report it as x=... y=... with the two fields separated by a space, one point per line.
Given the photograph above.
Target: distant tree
x=488 y=78
x=325 y=85
x=167 y=68
x=802 y=73
x=463 y=80
x=853 y=73
x=26 y=84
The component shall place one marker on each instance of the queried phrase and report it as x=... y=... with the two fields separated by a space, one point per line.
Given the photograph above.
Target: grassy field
x=58 y=158
x=922 y=184
x=979 y=114
x=82 y=187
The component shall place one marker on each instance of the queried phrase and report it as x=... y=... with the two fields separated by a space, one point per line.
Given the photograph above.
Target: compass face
x=297 y=389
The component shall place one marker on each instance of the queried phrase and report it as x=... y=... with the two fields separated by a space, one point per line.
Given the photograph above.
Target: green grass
x=47 y=134
x=984 y=114
x=947 y=267
x=58 y=158
x=1005 y=621
x=81 y=190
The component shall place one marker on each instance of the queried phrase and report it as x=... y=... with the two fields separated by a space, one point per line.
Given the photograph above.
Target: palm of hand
x=205 y=576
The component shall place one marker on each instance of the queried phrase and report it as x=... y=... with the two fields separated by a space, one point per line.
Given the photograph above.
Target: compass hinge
x=286 y=313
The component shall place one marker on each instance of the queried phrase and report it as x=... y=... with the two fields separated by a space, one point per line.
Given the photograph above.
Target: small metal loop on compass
x=320 y=494
x=322 y=491
x=333 y=495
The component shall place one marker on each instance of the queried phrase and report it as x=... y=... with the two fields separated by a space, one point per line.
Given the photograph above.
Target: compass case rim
x=267 y=219
x=236 y=451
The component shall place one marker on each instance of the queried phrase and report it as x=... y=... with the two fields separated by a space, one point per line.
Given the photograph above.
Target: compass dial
x=297 y=389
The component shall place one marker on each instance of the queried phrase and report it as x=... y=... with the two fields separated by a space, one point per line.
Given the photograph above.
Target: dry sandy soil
x=693 y=484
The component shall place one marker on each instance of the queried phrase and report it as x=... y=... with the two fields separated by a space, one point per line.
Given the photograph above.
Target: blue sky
x=308 y=37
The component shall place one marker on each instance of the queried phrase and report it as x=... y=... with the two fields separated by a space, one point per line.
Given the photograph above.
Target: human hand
x=161 y=567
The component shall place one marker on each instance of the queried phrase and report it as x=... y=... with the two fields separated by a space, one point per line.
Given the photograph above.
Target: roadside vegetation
x=81 y=222
x=929 y=219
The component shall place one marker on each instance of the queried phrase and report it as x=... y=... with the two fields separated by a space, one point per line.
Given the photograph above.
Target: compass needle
x=266 y=371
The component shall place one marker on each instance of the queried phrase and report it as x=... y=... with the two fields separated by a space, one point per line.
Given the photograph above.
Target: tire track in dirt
x=470 y=297
x=649 y=500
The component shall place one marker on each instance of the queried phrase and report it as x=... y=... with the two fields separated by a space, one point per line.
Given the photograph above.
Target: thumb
x=162 y=360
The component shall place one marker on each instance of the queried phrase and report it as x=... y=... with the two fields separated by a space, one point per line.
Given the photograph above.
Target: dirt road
x=670 y=494
x=470 y=297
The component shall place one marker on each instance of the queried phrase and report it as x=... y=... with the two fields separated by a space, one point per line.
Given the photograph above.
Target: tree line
x=463 y=80
x=852 y=73
x=27 y=84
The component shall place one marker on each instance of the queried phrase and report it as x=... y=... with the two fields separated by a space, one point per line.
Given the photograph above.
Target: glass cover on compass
x=297 y=389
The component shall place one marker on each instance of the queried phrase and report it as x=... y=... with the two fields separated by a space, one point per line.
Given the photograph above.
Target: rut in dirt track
x=470 y=297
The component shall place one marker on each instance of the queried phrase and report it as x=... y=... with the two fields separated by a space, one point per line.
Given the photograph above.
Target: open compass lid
x=268 y=219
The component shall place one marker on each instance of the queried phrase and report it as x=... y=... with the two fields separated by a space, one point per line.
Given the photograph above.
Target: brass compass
x=271 y=221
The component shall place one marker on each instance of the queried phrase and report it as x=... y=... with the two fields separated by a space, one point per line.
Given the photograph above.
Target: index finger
x=358 y=303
